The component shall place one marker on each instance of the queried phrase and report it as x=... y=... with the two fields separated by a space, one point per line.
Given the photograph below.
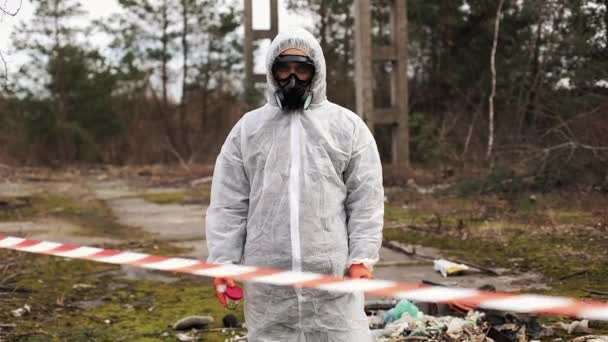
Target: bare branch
x=169 y=147
x=5 y=11
x=4 y=66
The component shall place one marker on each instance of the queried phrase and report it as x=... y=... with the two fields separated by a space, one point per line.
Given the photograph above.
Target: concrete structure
x=252 y=35
x=392 y=120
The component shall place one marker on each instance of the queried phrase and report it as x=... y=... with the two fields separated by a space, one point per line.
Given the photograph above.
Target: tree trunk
x=165 y=44
x=606 y=25
x=530 y=104
x=323 y=29
x=182 y=104
x=164 y=110
x=448 y=10
x=493 y=92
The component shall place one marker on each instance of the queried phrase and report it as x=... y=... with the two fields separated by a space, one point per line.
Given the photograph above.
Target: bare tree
x=4 y=10
x=493 y=92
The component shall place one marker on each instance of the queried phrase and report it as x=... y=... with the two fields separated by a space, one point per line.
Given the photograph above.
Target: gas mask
x=293 y=93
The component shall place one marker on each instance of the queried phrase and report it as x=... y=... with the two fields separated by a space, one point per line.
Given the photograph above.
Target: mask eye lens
x=305 y=70
x=281 y=67
x=281 y=70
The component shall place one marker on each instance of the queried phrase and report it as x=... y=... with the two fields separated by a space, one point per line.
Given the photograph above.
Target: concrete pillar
x=365 y=54
x=363 y=62
x=251 y=35
x=402 y=136
x=248 y=46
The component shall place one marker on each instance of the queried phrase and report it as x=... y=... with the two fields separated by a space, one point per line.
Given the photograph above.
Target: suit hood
x=303 y=40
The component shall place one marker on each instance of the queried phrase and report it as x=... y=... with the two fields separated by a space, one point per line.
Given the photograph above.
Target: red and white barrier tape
x=525 y=303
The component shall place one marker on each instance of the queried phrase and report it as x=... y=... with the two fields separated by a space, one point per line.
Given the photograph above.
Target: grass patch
x=24 y=208
x=136 y=310
x=509 y=242
x=199 y=195
x=92 y=215
x=418 y=217
x=165 y=197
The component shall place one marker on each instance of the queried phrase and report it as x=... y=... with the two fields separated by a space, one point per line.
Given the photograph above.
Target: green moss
x=137 y=310
x=200 y=195
x=24 y=208
x=165 y=197
x=419 y=217
x=566 y=217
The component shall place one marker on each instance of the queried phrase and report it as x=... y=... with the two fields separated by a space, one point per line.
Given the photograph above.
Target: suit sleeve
x=226 y=218
x=364 y=200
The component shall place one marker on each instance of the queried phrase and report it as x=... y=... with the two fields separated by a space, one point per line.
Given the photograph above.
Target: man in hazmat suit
x=298 y=186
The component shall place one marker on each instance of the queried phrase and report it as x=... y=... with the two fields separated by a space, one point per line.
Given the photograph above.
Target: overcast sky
x=98 y=9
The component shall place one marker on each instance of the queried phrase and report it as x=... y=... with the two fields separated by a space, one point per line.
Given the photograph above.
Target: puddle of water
x=107 y=190
x=168 y=221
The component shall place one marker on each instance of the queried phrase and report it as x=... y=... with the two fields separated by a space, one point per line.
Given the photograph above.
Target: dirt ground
x=551 y=243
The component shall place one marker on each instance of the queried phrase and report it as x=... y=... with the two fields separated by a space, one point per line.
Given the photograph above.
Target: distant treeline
x=169 y=85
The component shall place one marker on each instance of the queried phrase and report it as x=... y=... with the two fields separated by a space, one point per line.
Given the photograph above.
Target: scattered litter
x=591 y=338
x=83 y=286
x=375 y=321
x=409 y=321
x=511 y=327
x=575 y=327
x=193 y=322
x=185 y=337
x=231 y=321
x=22 y=311
x=429 y=328
x=404 y=306
x=447 y=268
x=237 y=338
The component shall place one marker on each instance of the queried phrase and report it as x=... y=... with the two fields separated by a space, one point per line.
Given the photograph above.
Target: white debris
x=446 y=267
x=183 y=337
x=592 y=338
x=22 y=311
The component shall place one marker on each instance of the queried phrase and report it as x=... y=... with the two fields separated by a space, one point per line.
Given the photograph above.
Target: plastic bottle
x=404 y=306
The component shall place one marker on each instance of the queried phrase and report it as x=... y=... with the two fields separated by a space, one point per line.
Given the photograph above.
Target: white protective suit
x=298 y=191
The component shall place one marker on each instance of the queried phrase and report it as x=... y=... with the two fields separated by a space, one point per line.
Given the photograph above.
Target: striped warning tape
x=525 y=303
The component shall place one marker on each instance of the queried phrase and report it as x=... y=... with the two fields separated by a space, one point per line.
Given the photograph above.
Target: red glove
x=359 y=271
x=227 y=291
